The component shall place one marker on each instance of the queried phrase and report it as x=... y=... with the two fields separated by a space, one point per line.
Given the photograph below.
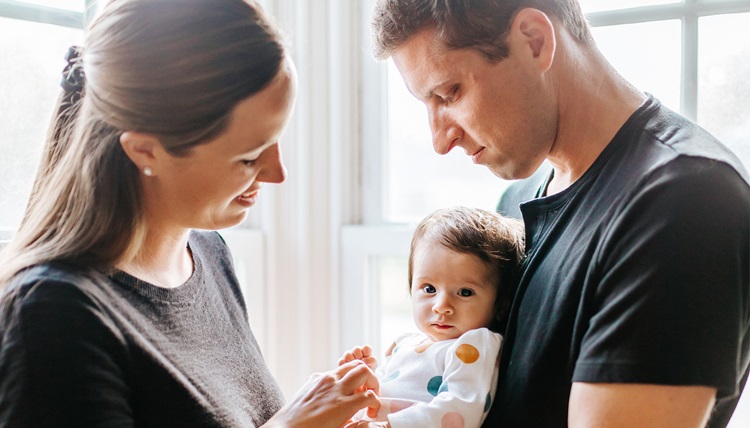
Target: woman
x=114 y=312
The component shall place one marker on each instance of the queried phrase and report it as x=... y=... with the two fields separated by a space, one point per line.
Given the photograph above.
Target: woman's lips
x=248 y=199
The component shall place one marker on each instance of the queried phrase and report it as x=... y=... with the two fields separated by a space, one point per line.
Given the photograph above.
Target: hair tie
x=73 y=76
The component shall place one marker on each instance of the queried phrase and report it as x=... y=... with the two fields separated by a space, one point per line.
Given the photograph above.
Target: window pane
x=31 y=60
x=723 y=86
x=418 y=180
x=602 y=5
x=395 y=303
x=724 y=105
x=74 y=5
x=646 y=54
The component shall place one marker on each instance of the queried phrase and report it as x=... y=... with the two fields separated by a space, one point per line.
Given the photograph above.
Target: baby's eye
x=465 y=292
x=429 y=289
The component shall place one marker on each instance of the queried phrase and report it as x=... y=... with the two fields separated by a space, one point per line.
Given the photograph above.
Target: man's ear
x=142 y=149
x=534 y=34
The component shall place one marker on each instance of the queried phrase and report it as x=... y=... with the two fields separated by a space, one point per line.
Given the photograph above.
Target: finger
x=357 y=352
x=369 y=400
x=371 y=362
x=345 y=368
x=346 y=358
x=359 y=376
x=366 y=351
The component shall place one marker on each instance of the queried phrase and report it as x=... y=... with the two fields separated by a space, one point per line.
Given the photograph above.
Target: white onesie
x=446 y=384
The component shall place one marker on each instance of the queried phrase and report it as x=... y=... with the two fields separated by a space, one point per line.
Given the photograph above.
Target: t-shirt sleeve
x=465 y=392
x=61 y=359
x=671 y=306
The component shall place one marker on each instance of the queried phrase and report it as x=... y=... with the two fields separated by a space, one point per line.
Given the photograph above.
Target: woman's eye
x=429 y=289
x=249 y=162
x=465 y=292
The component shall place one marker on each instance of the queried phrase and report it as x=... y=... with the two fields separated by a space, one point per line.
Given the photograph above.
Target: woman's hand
x=368 y=424
x=363 y=353
x=330 y=398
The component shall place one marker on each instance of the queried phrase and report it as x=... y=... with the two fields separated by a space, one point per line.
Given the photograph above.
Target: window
x=34 y=38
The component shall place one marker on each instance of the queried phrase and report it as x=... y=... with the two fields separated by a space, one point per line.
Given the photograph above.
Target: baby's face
x=451 y=292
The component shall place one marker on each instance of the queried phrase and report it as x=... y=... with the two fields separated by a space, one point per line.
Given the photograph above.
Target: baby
x=462 y=277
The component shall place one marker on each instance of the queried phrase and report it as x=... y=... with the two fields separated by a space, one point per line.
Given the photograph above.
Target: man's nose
x=445 y=132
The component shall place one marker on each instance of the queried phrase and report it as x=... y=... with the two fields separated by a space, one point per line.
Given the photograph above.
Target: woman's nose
x=273 y=170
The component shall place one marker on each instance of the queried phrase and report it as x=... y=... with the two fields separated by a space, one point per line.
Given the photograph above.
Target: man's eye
x=465 y=292
x=429 y=289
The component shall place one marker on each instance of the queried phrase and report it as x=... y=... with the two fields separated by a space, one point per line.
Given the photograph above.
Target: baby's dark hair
x=496 y=240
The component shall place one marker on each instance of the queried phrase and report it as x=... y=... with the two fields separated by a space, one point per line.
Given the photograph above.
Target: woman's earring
x=147 y=171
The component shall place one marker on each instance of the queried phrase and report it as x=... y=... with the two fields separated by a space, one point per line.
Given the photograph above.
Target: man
x=633 y=308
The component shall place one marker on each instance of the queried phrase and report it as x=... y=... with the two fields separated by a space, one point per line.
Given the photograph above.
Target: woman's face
x=213 y=187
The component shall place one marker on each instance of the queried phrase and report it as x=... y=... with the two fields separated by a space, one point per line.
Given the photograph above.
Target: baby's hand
x=363 y=353
x=368 y=424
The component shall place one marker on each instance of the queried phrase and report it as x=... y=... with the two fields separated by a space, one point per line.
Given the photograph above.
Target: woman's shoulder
x=50 y=284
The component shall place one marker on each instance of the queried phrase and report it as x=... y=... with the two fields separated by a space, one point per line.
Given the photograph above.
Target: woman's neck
x=164 y=259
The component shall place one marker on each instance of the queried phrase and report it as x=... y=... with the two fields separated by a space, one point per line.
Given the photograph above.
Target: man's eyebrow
x=431 y=92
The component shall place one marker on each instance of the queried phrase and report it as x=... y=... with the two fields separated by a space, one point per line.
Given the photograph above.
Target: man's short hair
x=477 y=24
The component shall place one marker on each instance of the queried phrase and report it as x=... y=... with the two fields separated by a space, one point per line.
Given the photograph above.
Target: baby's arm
x=363 y=353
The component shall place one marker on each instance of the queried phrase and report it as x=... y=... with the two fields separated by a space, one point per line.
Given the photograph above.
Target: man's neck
x=594 y=104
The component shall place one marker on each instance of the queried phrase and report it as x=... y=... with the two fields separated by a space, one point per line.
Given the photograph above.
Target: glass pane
x=75 y=5
x=602 y=5
x=646 y=54
x=31 y=60
x=395 y=303
x=418 y=180
x=724 y=105
x=723 y=86
x=741 y=416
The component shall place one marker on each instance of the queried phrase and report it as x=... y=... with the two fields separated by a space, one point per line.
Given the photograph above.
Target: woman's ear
x=534 y=34
x=142 y=149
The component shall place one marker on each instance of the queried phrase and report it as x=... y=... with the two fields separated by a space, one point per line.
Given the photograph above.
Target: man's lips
x=476 y=155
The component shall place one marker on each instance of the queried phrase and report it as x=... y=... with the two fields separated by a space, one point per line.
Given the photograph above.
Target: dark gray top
x=88 y=350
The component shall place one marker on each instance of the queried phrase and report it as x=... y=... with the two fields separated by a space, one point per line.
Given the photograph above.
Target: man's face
x=501 y=113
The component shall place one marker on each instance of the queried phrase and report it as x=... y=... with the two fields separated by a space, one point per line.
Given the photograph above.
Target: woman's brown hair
x=171 y=68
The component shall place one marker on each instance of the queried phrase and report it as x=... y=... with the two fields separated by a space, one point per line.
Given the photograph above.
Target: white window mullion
x=689 y=82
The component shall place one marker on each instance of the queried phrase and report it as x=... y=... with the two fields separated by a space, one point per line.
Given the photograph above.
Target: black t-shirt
x=636 y=273
x=119 y=352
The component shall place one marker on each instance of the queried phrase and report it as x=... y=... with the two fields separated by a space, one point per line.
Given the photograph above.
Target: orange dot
x=467 y=353
x=423 y=346
x=452 y=420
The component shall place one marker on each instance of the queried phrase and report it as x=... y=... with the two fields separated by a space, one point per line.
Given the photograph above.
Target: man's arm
x=614 y=405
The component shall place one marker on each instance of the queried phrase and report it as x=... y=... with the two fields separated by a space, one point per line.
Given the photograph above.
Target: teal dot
x=443 y=387
x=433 y=386
x=395 y=350
x=487 y=403
x=392 y=376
